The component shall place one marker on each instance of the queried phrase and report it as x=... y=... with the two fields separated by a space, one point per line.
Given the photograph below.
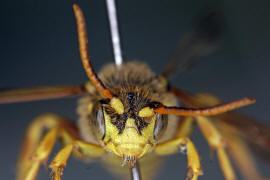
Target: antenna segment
x=114 y=32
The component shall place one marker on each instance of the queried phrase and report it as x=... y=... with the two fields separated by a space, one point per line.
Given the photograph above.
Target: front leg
x=80 y=149
x=36 y=150
x=217 y=142
x=182 y=144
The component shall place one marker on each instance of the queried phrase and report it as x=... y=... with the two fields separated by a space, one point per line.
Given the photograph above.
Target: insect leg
x=217 y=142
x=236 y=147
x=172 y=146
x=34 y=152
x=40 y=155
x=80 y=149
x=33 y=147
x=240 y=153
x=185 y=127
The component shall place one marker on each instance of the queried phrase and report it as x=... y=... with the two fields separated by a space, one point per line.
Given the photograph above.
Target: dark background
x=38 y=46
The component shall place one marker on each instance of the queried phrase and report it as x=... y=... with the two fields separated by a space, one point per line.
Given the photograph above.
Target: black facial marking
x=119 y=121
x=133 y=116
x=140 y=123
x=133 y=102
x=154 y=104
x=105 y=101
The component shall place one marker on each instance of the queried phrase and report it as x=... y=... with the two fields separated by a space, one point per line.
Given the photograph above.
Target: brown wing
x=254 y=132
x=202 y=39
x=39 y=93
x=257 y=134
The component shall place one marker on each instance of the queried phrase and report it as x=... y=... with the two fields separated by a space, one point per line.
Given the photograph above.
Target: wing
x=39 y=93
x=257 y=134
x=238 y=130
x=203 y=39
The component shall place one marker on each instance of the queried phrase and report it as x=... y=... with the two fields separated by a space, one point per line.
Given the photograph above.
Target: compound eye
x=160 y=125
x=101 y=123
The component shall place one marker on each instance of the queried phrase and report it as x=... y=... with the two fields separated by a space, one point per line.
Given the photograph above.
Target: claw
x=57 y=173
x=195 y=177
x=189 y=174
x=45 y=164
x=192 y=174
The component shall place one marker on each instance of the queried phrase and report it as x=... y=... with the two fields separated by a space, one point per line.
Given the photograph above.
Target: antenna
x=114 y=32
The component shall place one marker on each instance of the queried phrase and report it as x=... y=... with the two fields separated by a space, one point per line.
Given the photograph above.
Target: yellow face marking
x=130 y=123
x=146 y=112
x=129 y=142
x=117 y=105
x=90 y=107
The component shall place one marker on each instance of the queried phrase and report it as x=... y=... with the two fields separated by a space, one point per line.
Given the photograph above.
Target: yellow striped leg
x=172 y=146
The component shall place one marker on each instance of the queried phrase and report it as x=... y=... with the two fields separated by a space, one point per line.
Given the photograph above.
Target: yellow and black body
x=129 y=114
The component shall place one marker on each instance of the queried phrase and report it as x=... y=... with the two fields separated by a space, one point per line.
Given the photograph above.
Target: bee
x=131 y=115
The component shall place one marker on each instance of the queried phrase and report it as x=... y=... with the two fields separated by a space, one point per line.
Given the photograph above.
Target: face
x=128 y=126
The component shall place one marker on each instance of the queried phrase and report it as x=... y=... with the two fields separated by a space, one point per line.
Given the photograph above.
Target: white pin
x=114 y=32
x=135 y=172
